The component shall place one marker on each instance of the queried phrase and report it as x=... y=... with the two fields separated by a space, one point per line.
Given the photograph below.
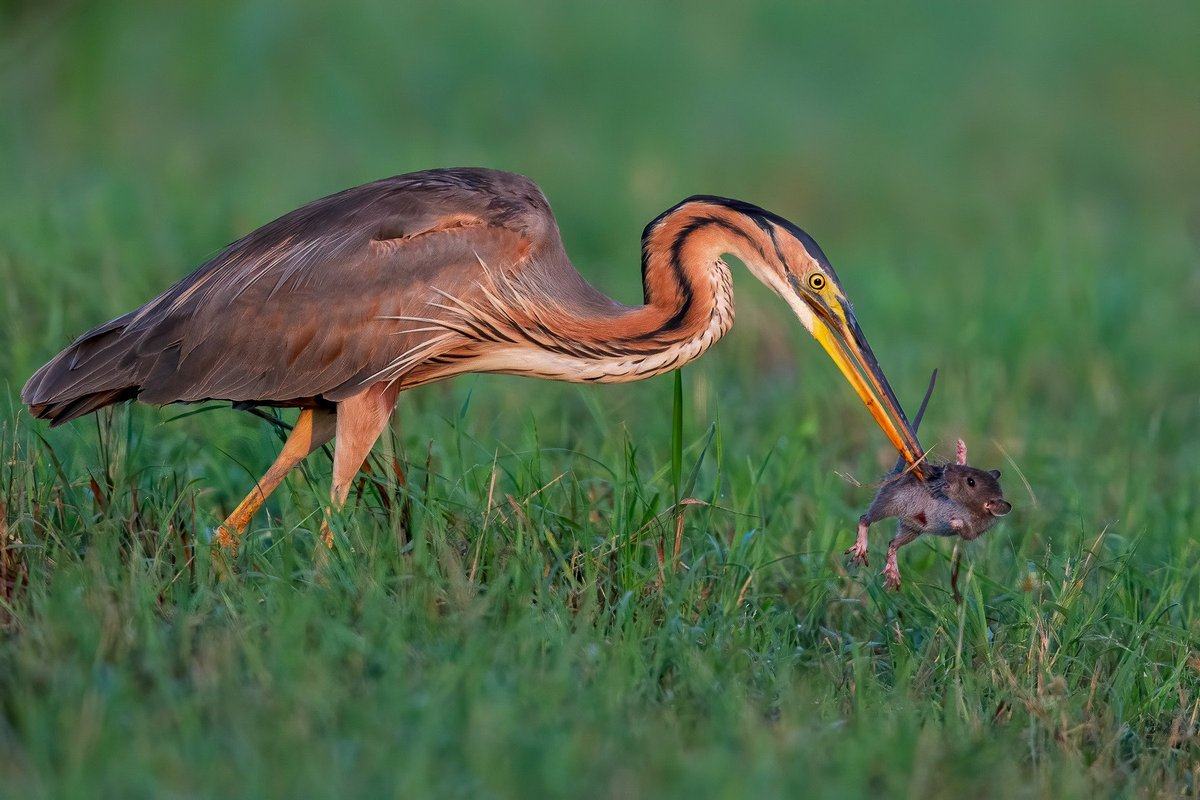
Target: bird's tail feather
x=85 y=377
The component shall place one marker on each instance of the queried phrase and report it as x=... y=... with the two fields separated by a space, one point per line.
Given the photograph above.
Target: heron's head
x=790 y=262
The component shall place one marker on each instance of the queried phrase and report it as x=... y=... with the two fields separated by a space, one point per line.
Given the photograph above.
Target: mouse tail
x=920 y=414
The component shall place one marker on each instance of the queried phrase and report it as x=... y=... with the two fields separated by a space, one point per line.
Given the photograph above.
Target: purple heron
x=337 y=307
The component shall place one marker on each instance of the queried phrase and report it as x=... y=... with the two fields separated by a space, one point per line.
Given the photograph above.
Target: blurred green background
x=1008 y=191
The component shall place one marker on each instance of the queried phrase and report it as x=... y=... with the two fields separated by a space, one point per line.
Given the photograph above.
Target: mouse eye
x=971 y=482
x=816 y=281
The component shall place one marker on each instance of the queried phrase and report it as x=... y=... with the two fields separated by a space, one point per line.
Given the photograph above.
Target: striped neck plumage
x=519 y=328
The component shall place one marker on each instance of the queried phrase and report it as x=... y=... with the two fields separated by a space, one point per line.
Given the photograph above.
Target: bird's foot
x=227 y=537
x=223 y=549
x=891 y=575
x=858 y=554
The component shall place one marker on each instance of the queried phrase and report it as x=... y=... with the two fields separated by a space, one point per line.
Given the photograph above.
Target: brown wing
x=304 y=310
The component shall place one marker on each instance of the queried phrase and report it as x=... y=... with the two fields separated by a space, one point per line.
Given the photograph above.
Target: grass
x=1007 y=193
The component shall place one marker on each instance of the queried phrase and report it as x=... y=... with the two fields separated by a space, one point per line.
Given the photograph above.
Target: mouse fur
x=955 y=499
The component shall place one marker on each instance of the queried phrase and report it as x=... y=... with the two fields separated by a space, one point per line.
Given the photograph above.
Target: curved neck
x=684 y=280
x=681 y=256
x=688 y=306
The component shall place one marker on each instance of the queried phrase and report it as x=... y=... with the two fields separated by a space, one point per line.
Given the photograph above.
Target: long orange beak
x=836 y=329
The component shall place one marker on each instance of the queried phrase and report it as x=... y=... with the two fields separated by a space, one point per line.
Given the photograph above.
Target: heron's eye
x=971 y=482
x=816 y=281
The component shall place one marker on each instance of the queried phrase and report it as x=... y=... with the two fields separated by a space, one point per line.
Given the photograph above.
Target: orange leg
x=313 y=429
x=360 y=420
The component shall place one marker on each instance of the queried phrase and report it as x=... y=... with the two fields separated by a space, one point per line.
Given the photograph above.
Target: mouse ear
x=995 y=473
x=960 y=452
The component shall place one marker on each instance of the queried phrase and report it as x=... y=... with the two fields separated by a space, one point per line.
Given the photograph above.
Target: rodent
x=954 y=500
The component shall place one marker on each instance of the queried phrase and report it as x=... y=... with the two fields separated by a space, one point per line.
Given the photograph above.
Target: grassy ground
x=1008 y=193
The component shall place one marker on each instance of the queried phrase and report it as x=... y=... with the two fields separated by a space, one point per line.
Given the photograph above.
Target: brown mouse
x=954 y=500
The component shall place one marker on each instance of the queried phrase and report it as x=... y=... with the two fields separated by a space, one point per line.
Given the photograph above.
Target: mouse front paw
x=858 y=554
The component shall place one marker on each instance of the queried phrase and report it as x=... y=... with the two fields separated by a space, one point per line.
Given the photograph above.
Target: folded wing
x=307 y=309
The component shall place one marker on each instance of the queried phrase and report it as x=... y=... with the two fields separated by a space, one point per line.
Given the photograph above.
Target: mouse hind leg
x=891 y=569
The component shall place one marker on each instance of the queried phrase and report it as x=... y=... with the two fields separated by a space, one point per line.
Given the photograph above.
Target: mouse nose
x=998 y=508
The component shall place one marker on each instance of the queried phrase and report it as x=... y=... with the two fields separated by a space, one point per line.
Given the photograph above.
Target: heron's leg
x=360 y=420
x=891 y=570
x=313 y=428
x=858 y=553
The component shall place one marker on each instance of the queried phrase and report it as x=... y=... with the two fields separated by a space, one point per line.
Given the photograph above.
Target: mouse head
x=976 y=489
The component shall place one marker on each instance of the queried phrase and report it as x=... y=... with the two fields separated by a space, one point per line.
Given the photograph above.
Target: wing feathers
x=311 y=305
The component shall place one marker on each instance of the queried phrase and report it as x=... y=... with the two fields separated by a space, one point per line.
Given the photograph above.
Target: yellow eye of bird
x=816 y=281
